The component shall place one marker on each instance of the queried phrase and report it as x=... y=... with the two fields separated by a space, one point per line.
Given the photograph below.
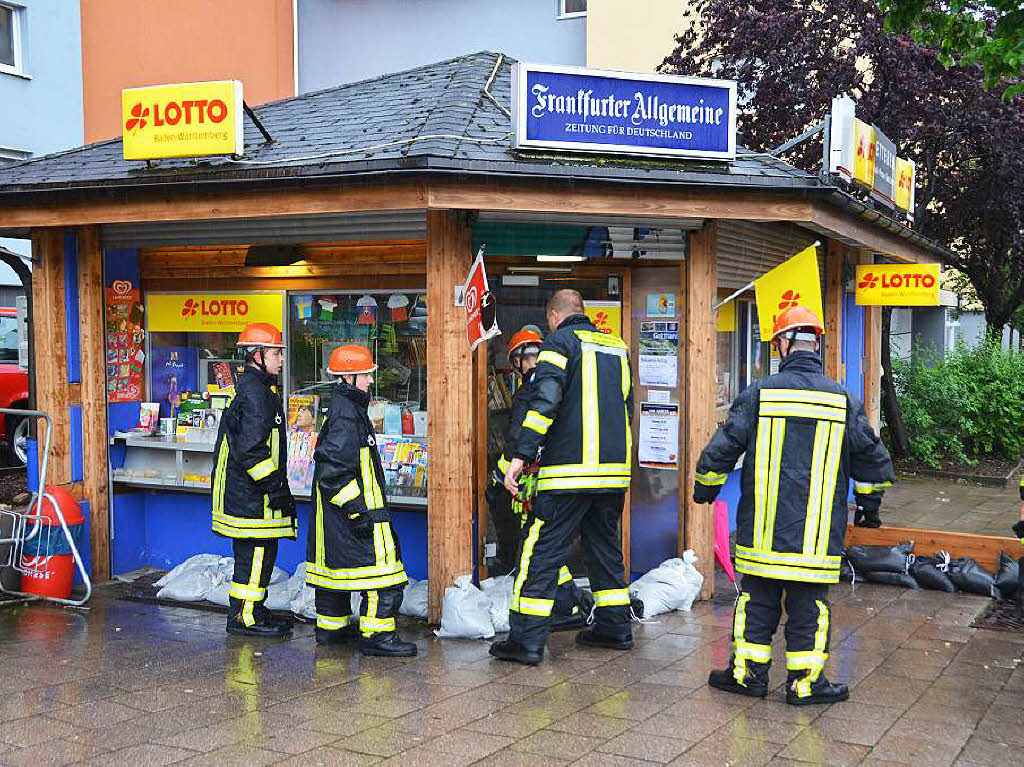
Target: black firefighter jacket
x=803 y=438
x=252 y=455
x=580 y=412
x=520 y=404
x=351 y=545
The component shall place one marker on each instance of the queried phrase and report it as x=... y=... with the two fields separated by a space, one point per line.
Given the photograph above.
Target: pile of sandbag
x=672 y=585
x=208 y=577
x=898 y=566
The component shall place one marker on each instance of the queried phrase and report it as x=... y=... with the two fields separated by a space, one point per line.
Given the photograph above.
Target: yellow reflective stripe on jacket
x=553 y=358
x=537 y=422
x=711 y=478
x=581 y=469
x=779 y=572
x=627 y=382
x=778 y=436
x=584 y=483
x=787 y=559
x=828 y=447
x=793 y=410
x=564 y=576
x=591 y=414
x=503 y=465
x=262 y=469
x=372 y=495
x=600 y=339
x=828 y=486
x=317 y=576
x=219 y=478
x=804 y=396
x=611 y=597
x=348 y=493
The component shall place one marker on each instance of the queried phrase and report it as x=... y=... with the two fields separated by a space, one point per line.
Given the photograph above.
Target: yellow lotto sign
x=903 y=189
x=863 y=153
x=794 y=282
x=185 y=120
x=606 y=316
x=212 y=312
x=898 y=285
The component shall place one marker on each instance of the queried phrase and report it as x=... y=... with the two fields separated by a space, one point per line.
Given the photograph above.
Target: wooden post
x=450 y=496
x=872 y=357
x=697 y=524
x=835 y=263
x=94 y=398
x=49 y=338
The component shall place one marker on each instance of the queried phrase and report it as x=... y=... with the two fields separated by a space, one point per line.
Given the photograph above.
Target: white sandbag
x=198 y=562
x=672 y=585
x=304 y=603
x=220 y=594
x=499 y=592
x=414 y=599
x=190 y=585
x=465 y=612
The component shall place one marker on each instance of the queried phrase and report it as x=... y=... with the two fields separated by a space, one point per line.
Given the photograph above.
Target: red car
x=13 y=387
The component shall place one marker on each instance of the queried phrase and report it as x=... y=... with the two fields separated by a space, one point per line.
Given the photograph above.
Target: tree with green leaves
x=989 y=33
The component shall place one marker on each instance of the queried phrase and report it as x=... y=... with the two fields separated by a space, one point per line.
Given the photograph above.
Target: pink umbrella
x=722 y=540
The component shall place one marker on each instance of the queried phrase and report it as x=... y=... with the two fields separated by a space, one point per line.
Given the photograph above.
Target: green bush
x=964 y=406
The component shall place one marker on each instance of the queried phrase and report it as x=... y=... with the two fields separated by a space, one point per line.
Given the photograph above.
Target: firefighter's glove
x=362 y=525
x=867 y=514
x=704 y=493
x=1018 y=529
x=275 y=487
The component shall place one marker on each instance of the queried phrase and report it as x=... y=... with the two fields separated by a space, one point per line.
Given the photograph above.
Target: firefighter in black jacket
x=352 y=546
x=803 y=438
x=252 y=504
x=580 y=414
x=572 y=605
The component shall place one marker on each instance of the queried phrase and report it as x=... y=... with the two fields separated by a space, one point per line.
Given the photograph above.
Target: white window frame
x=17 y=19
x=563 y=14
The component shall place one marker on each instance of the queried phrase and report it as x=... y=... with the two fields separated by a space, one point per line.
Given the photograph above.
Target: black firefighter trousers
x=377 y=610
x=254 y=564
x=556 y=519
x=808 y=626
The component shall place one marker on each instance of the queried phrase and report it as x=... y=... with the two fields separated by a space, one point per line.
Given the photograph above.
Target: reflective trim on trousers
x=611 y=597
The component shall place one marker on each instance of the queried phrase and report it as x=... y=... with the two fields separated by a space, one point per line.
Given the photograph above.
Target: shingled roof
x=435 y=117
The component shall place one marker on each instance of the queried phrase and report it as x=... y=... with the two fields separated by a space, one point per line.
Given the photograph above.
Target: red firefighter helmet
x=350 y=360
x=260 y=334
x=797 y=318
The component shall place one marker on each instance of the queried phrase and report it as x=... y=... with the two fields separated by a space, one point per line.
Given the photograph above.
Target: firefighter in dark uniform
x=803 y=437
x=352 y=545
x=252 y=503
x=572 y=604
x=580 y=413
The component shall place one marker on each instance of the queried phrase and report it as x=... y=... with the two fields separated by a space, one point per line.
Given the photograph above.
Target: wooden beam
x=983 y=548
x=697 y=527
x=450 y=495
x=848 y=226
x=94 y=398
x=872 y=358
x=600 y=198
x=301 y=270
x=835 y=262
x=139 y=205
x=50 y=340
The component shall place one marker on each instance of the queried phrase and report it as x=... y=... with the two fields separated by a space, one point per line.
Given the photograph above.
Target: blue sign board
x=591 y=110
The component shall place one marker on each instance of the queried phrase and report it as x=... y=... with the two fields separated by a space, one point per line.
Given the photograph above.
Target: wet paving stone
x=171 y=687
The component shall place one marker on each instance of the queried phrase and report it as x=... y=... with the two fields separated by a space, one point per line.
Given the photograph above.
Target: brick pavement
x=135 y=684
x=939 y=504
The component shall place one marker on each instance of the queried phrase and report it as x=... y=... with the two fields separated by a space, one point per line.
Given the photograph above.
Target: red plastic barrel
x=51 y=576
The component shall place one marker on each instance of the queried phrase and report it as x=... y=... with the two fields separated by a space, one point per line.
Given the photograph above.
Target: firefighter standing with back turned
x=252 y=503
x=572 y=604
x=803 y=437
x=580 y=414
x=352 y=546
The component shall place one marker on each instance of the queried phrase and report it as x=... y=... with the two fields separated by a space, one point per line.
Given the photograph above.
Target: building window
x=571 y=9
x=10 y=39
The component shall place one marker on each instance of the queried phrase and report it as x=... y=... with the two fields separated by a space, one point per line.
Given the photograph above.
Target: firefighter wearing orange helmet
x=572 y=604
x=352 y=544
x=252 y=503
x=803 y=438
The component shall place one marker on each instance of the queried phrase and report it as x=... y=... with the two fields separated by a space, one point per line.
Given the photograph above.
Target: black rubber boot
x=263 y=615
x=513 y=651
x=259 y=629
x=387 y=645
x=822 y=691
x=591 y=638
x=755 y=681
x=336 y=636
x=568 y=622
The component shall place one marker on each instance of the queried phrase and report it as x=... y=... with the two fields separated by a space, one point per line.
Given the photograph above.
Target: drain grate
x=1001 y=615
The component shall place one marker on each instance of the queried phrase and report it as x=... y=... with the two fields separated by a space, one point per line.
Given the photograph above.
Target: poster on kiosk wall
x=125 y=342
